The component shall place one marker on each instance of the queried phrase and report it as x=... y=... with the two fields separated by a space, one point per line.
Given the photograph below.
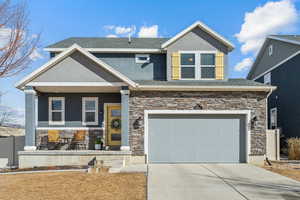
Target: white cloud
x=121 y=30
x=244 y=64
x=148 y=31
x=271 y=18
x=109 y=27
x=35 y=55
x=111 y=36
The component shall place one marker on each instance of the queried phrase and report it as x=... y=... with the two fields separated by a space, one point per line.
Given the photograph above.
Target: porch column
x=30 y=118
x=125 y=119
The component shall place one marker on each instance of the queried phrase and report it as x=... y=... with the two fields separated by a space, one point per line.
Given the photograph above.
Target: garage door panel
x=196 y=138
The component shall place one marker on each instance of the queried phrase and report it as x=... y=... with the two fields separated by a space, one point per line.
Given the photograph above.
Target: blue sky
x=59 y=19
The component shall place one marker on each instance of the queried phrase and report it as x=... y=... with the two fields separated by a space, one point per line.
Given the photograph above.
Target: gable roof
x=93 y=43
x=292 y=39
x=66 y=53
x=203 y=27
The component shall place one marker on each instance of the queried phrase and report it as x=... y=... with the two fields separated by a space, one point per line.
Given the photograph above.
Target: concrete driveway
x=218 y=182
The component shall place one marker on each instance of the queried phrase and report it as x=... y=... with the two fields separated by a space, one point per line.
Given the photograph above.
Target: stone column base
x=29 y=148
x=125 y=148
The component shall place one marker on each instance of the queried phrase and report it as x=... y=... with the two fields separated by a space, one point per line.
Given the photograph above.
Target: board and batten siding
x=125 y=63
x=286 y=97
x=73 y=108
x=196 y=40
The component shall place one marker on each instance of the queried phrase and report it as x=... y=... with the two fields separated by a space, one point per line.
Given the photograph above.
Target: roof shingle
x=98 y=42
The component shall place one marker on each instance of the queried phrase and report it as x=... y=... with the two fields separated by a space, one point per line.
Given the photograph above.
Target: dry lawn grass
x=73 y=186
x=292 y=172
x=294 y=148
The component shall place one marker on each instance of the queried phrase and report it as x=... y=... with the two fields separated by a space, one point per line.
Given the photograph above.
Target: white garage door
x=212 y=138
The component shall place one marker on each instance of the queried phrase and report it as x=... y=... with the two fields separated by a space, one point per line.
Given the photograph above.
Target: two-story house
x=168 y=99
x=277 y=64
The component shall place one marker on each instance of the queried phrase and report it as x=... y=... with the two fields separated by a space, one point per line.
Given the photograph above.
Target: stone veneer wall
x=89 y=139
x=254 y=101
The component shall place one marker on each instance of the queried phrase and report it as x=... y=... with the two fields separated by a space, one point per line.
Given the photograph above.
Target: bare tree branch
x=15 y=44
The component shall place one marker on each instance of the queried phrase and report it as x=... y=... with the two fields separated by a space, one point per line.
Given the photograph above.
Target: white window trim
x=275 y=120
x=270 y=50
x=267 y=78
x=84 y=99
x=198 y=64
x=142 y=55
x=62 y=99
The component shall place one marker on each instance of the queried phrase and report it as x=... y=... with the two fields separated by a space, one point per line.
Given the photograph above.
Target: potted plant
x=98 y=143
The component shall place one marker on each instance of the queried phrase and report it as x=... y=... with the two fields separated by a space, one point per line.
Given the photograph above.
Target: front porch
x=77 y=120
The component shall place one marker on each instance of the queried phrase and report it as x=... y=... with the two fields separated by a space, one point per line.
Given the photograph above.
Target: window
x=56 y=110
x=197 y=65
x=90 y=110
x=270 y=50
x=267 y=78
x=273 y=118
x=207 y=66
x=187 y=62
x=142 y=58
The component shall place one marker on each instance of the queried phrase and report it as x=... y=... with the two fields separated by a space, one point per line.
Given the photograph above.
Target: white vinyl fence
x=273 y=144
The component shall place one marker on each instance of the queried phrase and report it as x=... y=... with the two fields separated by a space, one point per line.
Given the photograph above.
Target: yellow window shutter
x=175 y=66
x=219 y=66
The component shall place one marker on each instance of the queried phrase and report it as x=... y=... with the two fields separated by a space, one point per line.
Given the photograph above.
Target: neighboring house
x=172 y=96
x=277 y=63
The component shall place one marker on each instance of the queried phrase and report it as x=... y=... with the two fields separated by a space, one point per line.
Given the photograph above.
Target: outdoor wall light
x=137 y=123
x=253 y=122
x=198 y=107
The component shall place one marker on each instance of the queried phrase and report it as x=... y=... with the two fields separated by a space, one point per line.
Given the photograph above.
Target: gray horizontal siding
x=73 y=108
x=125 y=63
x=281 y=51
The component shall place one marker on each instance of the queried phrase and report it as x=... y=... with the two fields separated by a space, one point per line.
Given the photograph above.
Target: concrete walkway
x=218 y=181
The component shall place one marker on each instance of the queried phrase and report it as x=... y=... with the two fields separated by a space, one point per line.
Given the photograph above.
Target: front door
x=113 y=124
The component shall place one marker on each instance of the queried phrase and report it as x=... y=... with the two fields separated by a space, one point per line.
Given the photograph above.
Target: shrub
x=294 y=148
